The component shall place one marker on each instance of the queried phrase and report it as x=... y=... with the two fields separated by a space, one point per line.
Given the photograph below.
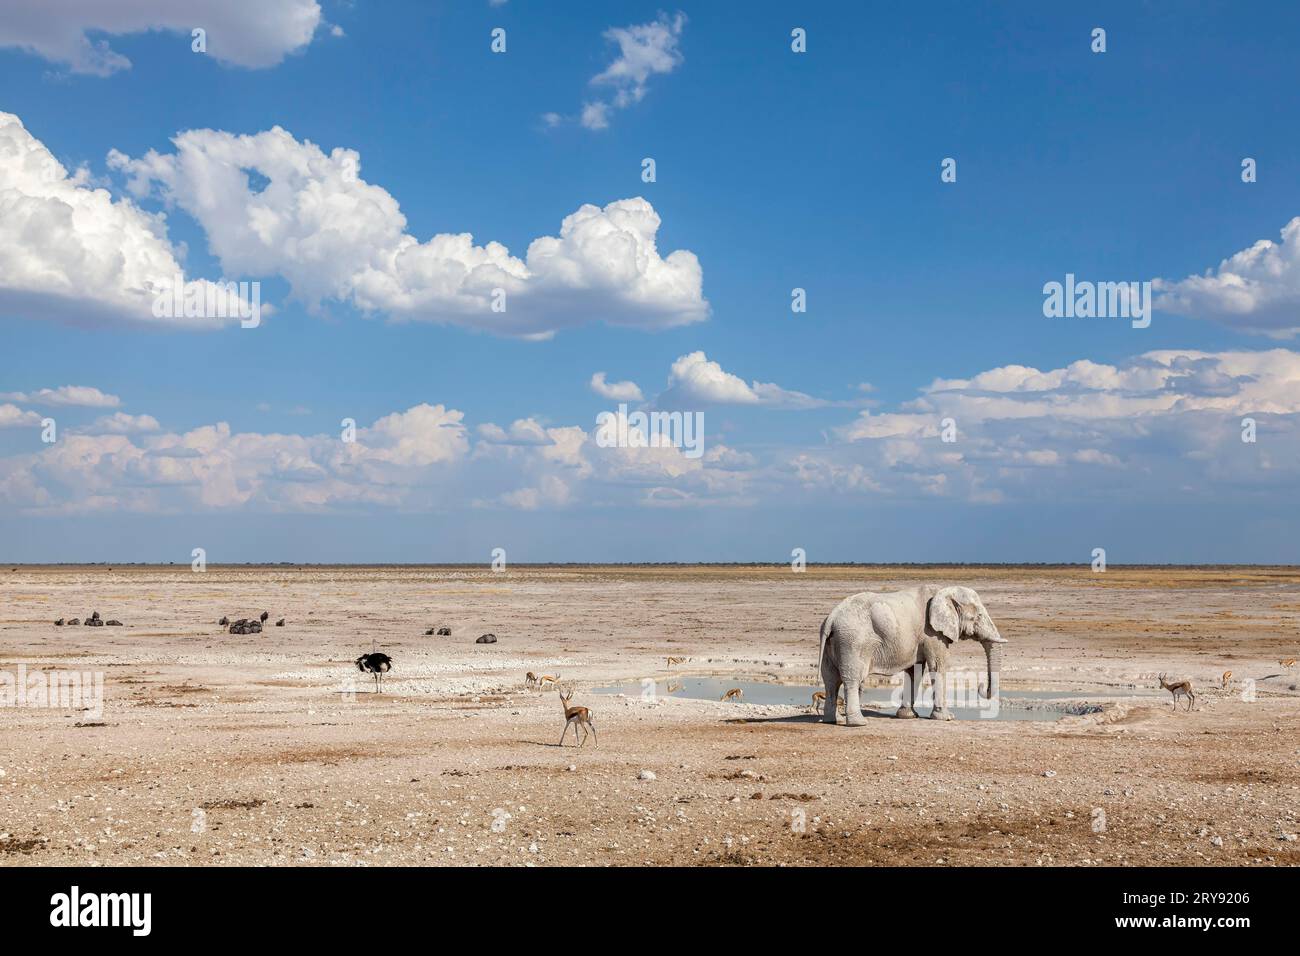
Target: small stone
x=646 y=775
x=1049 y=773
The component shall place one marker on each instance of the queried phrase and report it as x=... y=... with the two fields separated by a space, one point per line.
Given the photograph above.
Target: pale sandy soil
x=224 y=749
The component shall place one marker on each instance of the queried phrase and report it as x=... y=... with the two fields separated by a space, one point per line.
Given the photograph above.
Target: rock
x=94 y=621
x=444 y=632
x=94 y=616
x=224 y=621
x=487 y=639
x=59 y=622
x=75 y=620
x=1049 y=773
x=429 y=633
x=646 y=775
x=1217 y=841
x=280 y=623
x=112 y=623
x=265 y=615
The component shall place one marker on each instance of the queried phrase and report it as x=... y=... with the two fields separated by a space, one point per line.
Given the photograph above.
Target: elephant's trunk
x=993 y=651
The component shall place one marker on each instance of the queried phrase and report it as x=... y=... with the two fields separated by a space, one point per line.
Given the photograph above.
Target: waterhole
x=1045 y=704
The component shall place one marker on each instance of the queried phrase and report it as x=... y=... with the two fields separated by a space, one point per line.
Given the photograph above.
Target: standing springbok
x=1227 y=676
x=547 y=679
x=1179 y=689
x=580 y=714
x=819 y=702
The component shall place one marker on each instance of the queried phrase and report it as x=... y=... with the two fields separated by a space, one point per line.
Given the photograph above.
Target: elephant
x=885 y=633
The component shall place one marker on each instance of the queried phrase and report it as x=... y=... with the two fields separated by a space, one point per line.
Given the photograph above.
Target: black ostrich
x=377 y=664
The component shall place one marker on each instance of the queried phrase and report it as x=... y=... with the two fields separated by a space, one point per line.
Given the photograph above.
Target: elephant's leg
x=852 y=676
x=939 y=679
x=831 y=683
x=939 y=682
x=911 y=678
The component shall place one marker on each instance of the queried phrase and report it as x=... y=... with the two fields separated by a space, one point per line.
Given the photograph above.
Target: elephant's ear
x=941 y=614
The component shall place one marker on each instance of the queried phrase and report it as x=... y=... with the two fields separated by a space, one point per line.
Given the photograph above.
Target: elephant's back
x=854 y=609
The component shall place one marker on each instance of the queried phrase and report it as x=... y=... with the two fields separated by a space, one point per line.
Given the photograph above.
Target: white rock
x=646 y=775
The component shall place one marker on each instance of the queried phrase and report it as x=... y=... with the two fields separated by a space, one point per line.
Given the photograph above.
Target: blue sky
x=775 y=170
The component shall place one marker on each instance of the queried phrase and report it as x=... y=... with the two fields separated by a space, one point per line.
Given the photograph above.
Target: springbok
x=581 y=715
x=530 y=679
x=734 y=694
x=1289 y=662
x=819 y=701
x=1179 y=689
x=1227 y=676
x=547 y=679
x=677 y=660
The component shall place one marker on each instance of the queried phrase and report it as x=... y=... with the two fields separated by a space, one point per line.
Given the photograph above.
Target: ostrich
x=377 y=664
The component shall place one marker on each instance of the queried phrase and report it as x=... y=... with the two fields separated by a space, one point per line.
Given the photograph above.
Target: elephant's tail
x=821 y=642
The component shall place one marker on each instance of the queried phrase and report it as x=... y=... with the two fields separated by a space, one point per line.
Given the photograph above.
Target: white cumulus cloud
x=80 y=395
x=334 y=236
x=695 y=379
x=1256 y=290
x=615 y=391
x=69 y=251
x=120 y=423
x=644 y=50
x=247 y=33
x=11 y=416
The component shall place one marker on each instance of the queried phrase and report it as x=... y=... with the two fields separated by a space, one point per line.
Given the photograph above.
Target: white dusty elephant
x=885 y=633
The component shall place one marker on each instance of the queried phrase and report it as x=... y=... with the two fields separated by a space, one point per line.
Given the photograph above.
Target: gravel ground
x=271 y=748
